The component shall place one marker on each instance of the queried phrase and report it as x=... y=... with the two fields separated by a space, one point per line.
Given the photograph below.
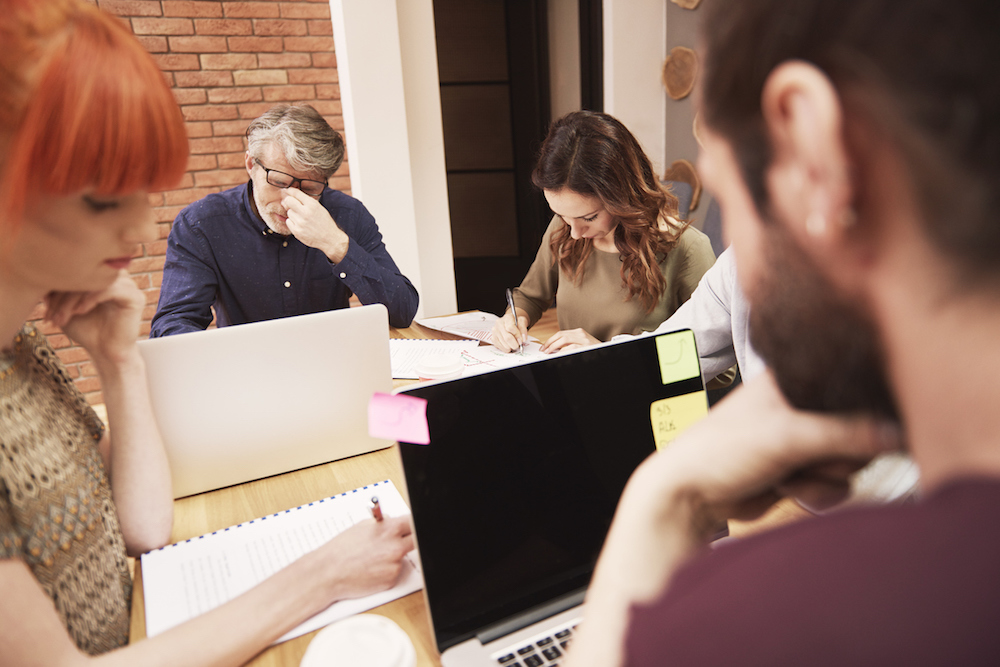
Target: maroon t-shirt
x=906 y=585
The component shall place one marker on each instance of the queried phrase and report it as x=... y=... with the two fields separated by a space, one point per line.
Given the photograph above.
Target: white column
x=387 y=66
x=635 y=34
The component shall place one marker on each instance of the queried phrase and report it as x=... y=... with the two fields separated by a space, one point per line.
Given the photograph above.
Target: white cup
x=440 y=367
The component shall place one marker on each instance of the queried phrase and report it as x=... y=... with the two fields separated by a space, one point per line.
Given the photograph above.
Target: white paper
x=476 y=324
x=488 y=358
x=406 y=353
x=184 y=580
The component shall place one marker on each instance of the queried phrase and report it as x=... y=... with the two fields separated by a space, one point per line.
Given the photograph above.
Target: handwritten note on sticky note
x=678 y=356
x=398 y=417
x=670 y=416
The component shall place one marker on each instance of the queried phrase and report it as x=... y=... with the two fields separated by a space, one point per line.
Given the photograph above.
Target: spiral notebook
x=186 y=579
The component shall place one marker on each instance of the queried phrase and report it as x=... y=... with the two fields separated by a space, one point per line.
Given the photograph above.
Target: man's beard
x=824 y=352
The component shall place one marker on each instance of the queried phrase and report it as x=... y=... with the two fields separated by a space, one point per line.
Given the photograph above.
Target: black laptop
x=515 y=493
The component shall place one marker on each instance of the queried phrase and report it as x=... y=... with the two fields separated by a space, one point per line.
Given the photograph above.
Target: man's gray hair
x=304 y=137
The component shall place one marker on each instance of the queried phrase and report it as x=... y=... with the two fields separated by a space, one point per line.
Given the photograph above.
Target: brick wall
x=227 y=63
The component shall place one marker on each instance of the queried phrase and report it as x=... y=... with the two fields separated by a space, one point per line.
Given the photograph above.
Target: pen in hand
x=376 y=509
x=510 y=304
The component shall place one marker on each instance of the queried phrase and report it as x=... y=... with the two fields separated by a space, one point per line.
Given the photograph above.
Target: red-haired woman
x=614 y=257
x=87 y=128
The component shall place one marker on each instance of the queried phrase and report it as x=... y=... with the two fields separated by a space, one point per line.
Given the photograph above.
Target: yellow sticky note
x=678 y=356
x=670 y=416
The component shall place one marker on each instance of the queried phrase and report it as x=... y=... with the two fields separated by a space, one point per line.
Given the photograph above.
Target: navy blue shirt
x=221 y=253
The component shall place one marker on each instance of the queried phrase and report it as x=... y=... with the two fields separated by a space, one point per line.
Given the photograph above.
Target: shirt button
x=284 y=244
x=287 y=284
x=343 y=275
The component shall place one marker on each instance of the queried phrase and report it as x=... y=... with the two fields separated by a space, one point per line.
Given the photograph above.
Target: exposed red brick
x=260 y=77
x=256 y=44
x=229 y=128
x=87 y=369
x=327 y=91
x=58 y=341
x=312 y=75
x=198 y=129
x=192 y=8
x=204 y=79
x=209 y=112
x=257 y=10
x=324 y=59
x=156 y=248
x=152 y=296
x=229 y=61
x=223 y=27
x=307 y=43
x=234 y=160
x=320 y=27
x=131 y=7
x=225 y=178
x=72 y=355
x=202 y=162
x=328 y=108
x=164 y=230
x=148 y=312
x=284 y=60
x=86 y=385
x=279 y=27
x=142 y=280
x=186 y=182
x=190 y=95
x=342 y=183
x=232 y=95
x=177 y=61
x=288 y=93
x=154 y=263
x=153 y=43
x=167 y=214
x=215 y=145
x=159 y=26
x=97 y=397
x=200 y=44
x=302 y=10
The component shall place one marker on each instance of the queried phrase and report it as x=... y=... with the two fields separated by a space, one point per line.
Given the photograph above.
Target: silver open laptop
x=514 y=495
x=254 y=400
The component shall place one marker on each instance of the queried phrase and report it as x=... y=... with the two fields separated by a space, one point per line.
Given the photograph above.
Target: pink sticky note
x=398 y=417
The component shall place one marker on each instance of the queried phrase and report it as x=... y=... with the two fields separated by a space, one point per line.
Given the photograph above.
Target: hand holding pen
x=510 y=332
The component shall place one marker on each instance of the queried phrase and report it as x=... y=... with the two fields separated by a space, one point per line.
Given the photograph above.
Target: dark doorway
x=493 y=67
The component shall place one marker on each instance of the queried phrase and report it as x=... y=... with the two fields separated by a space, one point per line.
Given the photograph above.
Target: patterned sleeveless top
x=56 y=512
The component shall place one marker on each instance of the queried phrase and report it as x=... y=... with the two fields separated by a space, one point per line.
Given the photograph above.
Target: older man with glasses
x=284 y=243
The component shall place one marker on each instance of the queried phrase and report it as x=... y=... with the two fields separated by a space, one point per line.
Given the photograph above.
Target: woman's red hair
x=86 y=107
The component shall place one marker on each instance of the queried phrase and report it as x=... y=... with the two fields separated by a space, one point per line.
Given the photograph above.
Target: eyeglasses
x=280 y=179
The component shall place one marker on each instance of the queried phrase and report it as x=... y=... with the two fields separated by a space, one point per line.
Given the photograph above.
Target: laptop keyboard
x=545 y=650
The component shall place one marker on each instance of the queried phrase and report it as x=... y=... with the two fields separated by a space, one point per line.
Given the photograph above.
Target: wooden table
x=205 y=512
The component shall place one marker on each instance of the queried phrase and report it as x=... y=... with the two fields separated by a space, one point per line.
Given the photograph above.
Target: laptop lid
x=515 y=493
x=249 y=401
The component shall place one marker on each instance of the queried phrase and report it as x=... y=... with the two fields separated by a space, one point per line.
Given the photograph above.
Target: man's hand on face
x=312 y=224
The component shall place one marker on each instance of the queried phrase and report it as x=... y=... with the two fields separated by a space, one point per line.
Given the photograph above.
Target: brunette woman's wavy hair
x=593 y=154
x=82 y=104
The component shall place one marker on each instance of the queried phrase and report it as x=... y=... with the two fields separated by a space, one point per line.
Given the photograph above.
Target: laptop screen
x=514 y=495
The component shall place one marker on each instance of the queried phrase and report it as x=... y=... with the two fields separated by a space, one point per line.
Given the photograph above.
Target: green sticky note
x=678 y=356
